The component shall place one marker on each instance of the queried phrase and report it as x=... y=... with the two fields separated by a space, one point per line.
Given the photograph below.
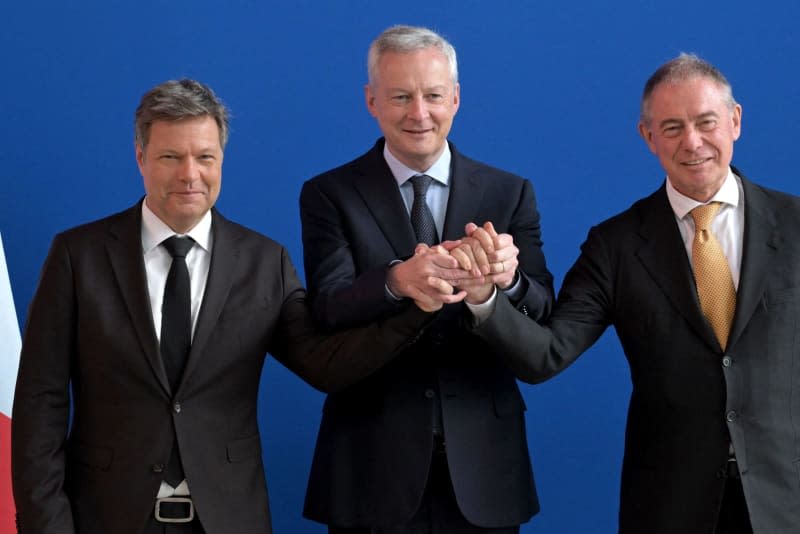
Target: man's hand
x=425 y=277
x=478 y=287
x=495 y=254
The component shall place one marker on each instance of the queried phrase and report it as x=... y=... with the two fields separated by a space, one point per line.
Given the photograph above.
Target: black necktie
x=421 y=218
x=176 y=331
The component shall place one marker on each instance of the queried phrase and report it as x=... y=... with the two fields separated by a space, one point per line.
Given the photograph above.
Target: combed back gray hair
x=404 y=39
x=680 y=69
x=175 y=100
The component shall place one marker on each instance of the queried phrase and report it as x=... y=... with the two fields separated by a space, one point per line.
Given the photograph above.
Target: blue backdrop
x=550 y=90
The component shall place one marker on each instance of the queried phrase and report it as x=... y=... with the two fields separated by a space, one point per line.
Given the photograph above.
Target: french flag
x=10 y=345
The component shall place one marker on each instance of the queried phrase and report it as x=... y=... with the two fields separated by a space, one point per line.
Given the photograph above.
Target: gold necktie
x=712 y=274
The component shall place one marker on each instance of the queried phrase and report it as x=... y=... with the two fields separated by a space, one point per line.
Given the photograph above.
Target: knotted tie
x=712 y=274
x=421 y=218
x=176 y=331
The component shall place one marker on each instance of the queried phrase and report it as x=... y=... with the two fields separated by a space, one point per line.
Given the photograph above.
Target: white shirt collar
x=727 y=194
x=154 y=230
x=439 y=171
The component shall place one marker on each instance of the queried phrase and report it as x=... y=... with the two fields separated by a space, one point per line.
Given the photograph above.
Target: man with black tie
x=151 y=327
x=434 y=441
x=701 y=281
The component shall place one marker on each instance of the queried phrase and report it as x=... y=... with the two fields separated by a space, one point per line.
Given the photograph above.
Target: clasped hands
x=466 y=269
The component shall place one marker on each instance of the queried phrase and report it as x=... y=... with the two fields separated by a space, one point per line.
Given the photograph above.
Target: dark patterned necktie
x=421 y=217
x=176 y=332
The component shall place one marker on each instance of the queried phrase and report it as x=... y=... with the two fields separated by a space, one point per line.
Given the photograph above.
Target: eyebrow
x=706 y=115
x=671 y=122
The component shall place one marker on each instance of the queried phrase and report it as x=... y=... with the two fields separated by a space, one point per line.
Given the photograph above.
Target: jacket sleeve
x=535 y=298
x=42 y=401
x=335 y=361
x=535 y=352
x=341 y=298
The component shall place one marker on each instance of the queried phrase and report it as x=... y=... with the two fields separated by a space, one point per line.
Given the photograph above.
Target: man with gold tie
x=701 y=283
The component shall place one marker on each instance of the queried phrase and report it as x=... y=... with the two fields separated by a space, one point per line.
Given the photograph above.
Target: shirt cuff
x=513 y=291
x=481 y=312
x=389 y=293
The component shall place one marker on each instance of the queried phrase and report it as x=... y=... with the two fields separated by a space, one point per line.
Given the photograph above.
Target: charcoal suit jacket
x=90 y=348
x=691 y=399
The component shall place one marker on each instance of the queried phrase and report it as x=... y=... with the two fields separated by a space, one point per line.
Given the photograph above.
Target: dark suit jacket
x=90 y=327
x=374 y=447
x=690 y=398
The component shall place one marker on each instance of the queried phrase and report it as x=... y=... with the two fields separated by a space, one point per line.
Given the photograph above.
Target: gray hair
x=175 y=100
x=405 y=39
x=680 y=69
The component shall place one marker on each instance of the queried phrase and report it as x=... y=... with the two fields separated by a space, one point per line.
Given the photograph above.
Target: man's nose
x=418 y=109
x=692 y=138
x=189 y=170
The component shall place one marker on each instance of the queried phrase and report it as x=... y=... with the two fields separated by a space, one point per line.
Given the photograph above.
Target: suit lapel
x=374 y=181
x=663 y=255
x=760 y=247
x=224 y=257
x=466 y=194
x=124 y=250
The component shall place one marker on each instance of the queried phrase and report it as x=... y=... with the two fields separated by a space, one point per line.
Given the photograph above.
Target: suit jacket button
x=177 y=407
x=158 y=468
x=429 y=393
x=731 y=416
x=727 y=361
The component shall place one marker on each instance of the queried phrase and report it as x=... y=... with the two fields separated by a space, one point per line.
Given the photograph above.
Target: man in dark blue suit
x=434 y=441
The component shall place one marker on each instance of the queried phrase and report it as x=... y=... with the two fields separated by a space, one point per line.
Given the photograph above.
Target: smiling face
x=414 y=100
x=182 y=170
x=691 y=130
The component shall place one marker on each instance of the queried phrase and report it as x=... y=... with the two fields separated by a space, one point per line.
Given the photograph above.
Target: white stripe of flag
x=9 y=362
x=9 y=334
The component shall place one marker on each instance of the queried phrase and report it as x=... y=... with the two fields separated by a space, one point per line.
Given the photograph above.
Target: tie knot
x=178 y=247
x=421 y=183
x=703 y=215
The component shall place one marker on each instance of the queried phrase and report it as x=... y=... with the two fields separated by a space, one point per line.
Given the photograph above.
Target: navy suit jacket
x=374 y=446
x=90 y=345
x=690 y=398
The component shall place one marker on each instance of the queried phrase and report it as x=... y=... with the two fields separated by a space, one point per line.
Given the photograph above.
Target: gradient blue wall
x=549 y=90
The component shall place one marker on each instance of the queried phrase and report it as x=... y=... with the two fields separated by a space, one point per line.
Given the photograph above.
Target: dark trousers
x=156 y=527
x=733 y=515
x=438 y=513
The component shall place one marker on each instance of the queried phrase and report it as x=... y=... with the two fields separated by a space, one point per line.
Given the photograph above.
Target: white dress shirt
x=727 y=226
x=157 y=261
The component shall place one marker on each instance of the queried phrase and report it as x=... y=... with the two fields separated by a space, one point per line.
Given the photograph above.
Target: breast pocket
x=780 y=296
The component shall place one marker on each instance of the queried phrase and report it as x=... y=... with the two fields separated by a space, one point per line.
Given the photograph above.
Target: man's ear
x=647 y=135
x=369 y=99
x=139 y=155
